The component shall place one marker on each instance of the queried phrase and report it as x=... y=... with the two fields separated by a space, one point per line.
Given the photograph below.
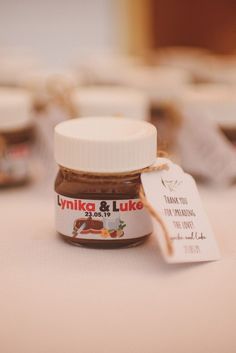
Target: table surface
x=56 y=298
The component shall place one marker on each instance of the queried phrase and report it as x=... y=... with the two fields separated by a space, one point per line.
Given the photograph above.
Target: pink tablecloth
x=56 y=298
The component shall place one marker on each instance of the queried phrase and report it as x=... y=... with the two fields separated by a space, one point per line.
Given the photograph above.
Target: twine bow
x=152 y=211
x=2 y=146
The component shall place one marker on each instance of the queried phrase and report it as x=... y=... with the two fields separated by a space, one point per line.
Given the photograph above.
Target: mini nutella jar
x=16 y=136
x=98 y=183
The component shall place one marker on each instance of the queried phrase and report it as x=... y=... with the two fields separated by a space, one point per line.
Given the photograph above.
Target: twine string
x=2 y=145
x=57 y=92
x=152 y=211
x=159 y=219
x=61 y=93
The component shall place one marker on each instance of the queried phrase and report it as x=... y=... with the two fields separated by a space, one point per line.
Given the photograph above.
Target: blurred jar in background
x=204 y=150
x=161 y=85
x=51 y=92
x=219 y=102
x=16 y=137
x=216 y=102
x=57 y=97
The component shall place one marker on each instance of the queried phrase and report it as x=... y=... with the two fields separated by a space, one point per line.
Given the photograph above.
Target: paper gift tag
x=174 y=196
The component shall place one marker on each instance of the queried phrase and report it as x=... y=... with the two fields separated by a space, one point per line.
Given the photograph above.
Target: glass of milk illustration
x=111 y=223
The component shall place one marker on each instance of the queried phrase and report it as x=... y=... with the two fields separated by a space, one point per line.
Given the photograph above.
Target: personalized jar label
x=101 y=219
x=174 y=196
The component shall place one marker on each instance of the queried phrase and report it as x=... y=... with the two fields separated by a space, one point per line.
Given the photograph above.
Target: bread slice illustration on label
x=97 y=226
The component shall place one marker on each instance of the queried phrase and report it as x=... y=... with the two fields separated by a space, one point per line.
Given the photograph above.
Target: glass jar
x=98 y=183
x=16 y=137
x=230 y=133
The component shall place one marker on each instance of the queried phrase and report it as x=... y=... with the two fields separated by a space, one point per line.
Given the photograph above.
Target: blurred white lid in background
x=15 y=109
x=111 y=101
x=159 y=83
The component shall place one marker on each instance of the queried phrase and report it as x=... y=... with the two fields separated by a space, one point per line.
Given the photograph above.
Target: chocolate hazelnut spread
x=98 y=183
x=16 y=137
x=230 y=134
x=14 y=153
x=167 y=119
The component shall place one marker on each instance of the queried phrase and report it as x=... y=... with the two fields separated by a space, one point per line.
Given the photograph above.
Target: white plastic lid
x=15 y=109
x=112 y=101
x=105 y=145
